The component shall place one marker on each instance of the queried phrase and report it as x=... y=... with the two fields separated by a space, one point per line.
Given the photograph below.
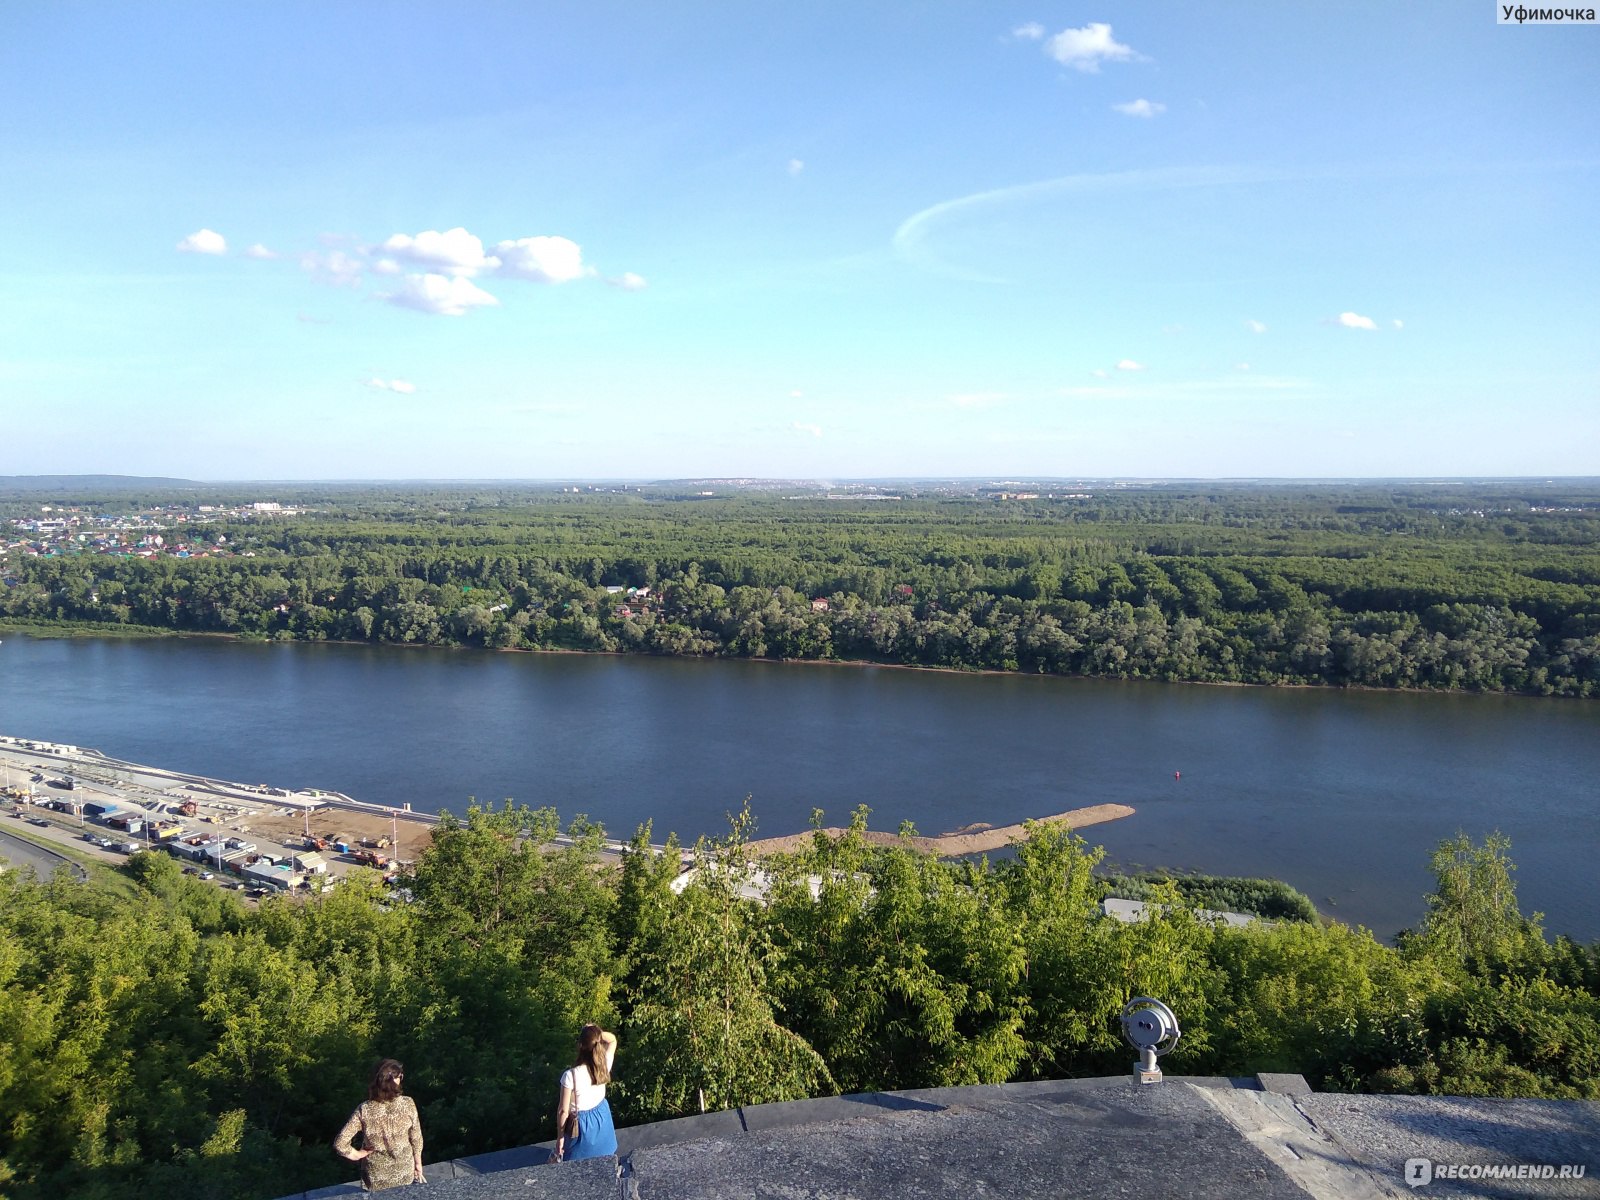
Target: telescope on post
x=1152 y=1030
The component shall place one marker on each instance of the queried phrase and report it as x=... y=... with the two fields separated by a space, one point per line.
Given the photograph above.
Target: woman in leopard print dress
x=391 y=1135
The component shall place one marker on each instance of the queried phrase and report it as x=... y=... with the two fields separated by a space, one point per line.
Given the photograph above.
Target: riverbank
x=73 y=629
x=284 y=816
x=51 y=773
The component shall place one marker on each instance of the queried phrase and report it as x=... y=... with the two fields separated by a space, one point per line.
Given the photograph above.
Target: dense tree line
x=168 y=1041
x=1270 y=898
x=1497 y=590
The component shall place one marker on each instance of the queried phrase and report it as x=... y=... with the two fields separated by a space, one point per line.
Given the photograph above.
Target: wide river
x=1343 y=794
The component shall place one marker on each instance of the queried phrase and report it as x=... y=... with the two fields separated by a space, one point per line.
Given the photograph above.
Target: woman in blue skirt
x=583 y=1117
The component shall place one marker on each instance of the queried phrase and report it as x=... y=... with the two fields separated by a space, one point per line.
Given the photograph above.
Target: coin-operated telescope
x=1152 y=1030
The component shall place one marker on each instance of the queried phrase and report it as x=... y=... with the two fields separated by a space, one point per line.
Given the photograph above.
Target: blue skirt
x=597 y=1136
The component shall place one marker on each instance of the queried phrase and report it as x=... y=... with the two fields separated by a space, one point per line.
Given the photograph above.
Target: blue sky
x=541 y=240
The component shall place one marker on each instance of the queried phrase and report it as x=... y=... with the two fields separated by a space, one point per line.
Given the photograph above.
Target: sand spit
x=970 y=839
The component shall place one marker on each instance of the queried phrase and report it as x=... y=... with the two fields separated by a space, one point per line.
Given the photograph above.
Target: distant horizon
x=815 y=481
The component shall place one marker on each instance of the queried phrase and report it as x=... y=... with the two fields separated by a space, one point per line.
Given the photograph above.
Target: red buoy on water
x=1177 y=774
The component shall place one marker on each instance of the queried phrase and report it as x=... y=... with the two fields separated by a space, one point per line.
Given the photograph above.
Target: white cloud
x=335 y=268
x=1128 y=364
x=1241 y=366
x=1088 y=47
x=1141 y=108
x=1100 y=373
x=1398 y=323
x=261 y=252
x=454 y=252
x=1255 y=326
x=541 y=259
x=1352 y=320
x=629 y=282
x=204 y=241
x=975 y=399
x=796 y=165
x=802 y=427
x=402 y=386
x=440 y=295
x=796 y=394
x=387 y=266
x=1032 y=31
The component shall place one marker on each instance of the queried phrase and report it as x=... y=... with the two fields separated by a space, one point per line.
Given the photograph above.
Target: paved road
x=21 y=853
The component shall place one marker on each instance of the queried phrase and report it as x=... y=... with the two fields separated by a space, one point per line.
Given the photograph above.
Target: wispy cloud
x=338 y=268
x=802 y=427
x=975 y=399
x=1352 y=320
x=1255 y=326
x=1031 y=31
x=204 y=241
x=439 y=295
x=1197 y=389
x=259 y=251
x=1086 y=48
x=1141 y=108
x=1128 y=364
x=910 y=241
x=1398 y=323
x=404 y=387
x=335 y=268
x=629 y=282
x=796 y=165
x=542 y=408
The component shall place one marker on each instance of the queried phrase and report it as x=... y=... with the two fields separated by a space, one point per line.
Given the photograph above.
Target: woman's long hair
x=386 y=1077
x=592 y=1054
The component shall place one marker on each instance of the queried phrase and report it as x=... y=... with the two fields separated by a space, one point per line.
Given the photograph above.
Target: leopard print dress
x=390 y=1129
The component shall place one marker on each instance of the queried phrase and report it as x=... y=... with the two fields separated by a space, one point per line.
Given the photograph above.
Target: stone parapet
x=1263 y=1138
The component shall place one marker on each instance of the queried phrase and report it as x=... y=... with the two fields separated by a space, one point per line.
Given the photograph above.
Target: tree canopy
x=1490 y=587
x=170 y=1040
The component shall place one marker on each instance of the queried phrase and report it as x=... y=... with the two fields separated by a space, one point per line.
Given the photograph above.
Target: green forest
x=160 y=1037
x=1490 y=586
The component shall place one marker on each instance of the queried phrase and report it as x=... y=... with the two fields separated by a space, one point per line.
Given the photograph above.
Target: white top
x=586 y=1093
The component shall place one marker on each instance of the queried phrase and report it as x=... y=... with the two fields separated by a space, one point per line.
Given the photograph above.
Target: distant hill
x=77 y=483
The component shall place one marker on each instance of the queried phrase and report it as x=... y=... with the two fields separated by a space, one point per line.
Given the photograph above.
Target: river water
x=1343 y=794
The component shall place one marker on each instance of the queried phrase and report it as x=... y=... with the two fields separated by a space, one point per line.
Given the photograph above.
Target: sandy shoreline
x=972 y=839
